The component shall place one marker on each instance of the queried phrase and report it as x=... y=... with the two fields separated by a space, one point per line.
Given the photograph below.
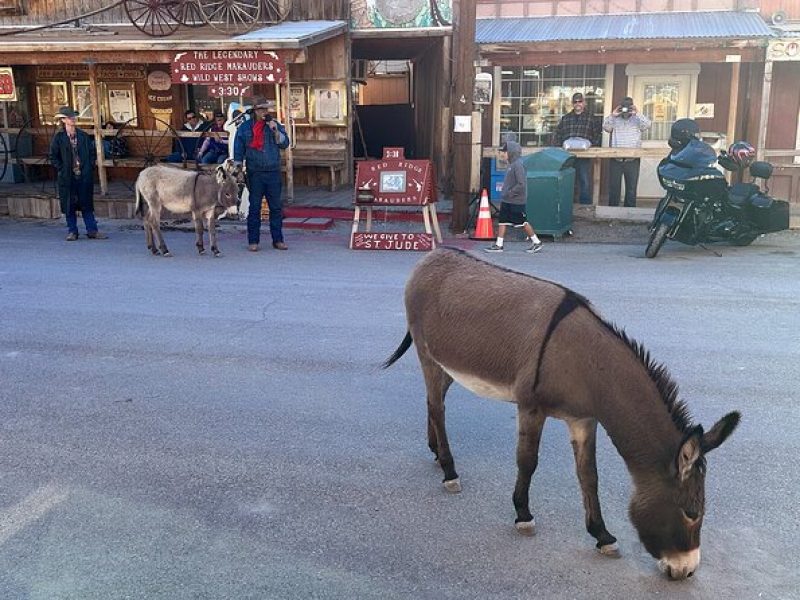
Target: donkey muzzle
x=680 y=565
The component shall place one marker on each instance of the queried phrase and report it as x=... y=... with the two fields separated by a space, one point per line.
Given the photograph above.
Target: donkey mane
x=667 y=387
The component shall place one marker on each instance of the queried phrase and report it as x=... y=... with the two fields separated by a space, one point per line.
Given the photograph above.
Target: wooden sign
x=227 y=67
x=8 y=90
x=392 y=241
x=396 y=180
x=62 y=72
x=121 y=72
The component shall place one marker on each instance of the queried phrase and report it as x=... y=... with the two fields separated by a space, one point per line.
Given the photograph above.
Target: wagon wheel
x=275 y=11
x=153 y=17
x=32 y=147
x=4 y=159
x=187 y=13
x=231 y=16
x=149 y=140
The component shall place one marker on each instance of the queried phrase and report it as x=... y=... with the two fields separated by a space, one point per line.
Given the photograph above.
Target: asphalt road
x=218 y=428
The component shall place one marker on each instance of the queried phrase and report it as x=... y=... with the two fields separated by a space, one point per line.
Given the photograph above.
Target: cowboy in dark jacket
x=258 y=143
x=72 y=153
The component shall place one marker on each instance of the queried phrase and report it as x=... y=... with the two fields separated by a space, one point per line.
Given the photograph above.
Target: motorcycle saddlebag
x=768 y=214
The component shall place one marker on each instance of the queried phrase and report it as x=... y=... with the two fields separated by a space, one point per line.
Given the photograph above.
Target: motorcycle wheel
x=657 y=239
x=745 y=239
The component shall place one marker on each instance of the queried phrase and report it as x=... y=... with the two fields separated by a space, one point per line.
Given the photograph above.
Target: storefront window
x=533 y=99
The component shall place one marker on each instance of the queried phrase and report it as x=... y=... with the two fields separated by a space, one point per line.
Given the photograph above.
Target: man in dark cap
x=258 y=143
x=214 y=149
x=73 y=155
x=626 y=126
x=579 y=123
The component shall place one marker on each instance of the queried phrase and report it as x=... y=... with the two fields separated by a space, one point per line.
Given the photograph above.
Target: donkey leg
x=198 y=230
x=583 y=436
x=148 y=236
x=156 y=225
x=437 y=382
x=530 y=422
x=212 y=233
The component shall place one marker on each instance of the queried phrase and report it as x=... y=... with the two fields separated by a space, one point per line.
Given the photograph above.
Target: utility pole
x=461 y=106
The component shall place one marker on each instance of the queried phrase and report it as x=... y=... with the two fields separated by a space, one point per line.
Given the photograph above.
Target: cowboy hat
x=264 y=103
x=65 y=112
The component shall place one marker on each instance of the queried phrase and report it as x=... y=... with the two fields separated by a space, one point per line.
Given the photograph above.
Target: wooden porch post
x=98 y=128
x=287 y=117
x=733 y=104
x=763 y=120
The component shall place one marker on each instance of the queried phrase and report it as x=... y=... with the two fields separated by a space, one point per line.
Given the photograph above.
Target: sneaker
x=279 y=246
x=534 y=248
x=253 y=247
x=96 y=235
x=493 y=248
x=72 y=236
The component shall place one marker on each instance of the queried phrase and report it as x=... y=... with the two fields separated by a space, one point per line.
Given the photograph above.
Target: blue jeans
x=583 y=173
x=214 y=157
x=260 y=184
x=88 y=220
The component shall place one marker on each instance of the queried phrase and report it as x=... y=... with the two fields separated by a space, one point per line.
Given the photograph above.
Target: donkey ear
x=688 y=454
x=720 y=431
x=221 y=174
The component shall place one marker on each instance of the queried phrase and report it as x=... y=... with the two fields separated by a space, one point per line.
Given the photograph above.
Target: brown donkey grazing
x=544 y=347
x=203 y=194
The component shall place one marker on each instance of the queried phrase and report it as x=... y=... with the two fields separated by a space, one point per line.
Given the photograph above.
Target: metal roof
x=303 y=33
x=631 y=26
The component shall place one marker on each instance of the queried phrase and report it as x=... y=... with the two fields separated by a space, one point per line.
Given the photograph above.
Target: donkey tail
x=139 y=211
x=401 y=349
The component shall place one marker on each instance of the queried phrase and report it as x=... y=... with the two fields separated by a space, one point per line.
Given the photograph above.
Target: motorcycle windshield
x=688 y=167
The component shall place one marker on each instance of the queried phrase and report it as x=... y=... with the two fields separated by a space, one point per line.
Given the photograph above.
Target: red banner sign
x=227 y=67
x=8 y=90
x=392 y=241
x=396 y=180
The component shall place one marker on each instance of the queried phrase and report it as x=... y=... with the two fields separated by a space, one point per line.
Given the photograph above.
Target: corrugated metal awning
x=633 y=26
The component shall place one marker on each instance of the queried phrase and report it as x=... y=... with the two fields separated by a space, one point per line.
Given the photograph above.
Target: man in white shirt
x=625 y=125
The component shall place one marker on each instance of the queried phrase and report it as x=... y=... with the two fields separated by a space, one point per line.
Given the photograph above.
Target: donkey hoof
x=453 y=485
x=217 y=254
x=166 y=254
x=610 y=550
x=201 y=251
x=525 y=527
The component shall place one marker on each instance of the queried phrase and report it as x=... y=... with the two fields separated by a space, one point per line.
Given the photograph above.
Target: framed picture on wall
x=121 y=102
x=330 y=103
x=82 y=101
x=50 y=96
x=298 y=102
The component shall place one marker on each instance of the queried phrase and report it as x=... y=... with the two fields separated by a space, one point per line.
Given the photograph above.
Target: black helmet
x=682 y=132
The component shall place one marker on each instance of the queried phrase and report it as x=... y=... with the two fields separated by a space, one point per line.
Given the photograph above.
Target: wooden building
x=94 y=57
x=677 y=58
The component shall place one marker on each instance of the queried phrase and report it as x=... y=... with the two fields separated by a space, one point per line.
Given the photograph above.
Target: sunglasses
x=577 y=101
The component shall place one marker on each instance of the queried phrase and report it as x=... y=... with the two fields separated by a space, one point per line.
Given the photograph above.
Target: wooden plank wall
x=488 y=9
x=385 y=89
x=431 y=108
x=42 y=12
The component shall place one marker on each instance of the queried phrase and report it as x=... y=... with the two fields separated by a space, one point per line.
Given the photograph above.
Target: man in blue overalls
x=258 y=143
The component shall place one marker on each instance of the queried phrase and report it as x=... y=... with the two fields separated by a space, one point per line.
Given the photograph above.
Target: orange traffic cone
x=483 y=227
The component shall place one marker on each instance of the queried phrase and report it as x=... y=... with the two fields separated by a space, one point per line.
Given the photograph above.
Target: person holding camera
x=258 y=143
x=625 y=125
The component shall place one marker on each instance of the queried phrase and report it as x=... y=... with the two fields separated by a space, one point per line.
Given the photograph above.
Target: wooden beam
x=733 y=102
x=465 y=53
x=763 y=120
x=98 y=129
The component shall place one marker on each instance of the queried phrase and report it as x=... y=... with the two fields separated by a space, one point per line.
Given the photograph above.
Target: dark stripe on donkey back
x=568 y=303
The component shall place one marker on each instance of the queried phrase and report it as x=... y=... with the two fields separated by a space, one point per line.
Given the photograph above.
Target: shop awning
x=634 y=26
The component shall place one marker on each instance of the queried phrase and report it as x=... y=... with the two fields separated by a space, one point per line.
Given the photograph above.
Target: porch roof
x=632 y=26
x=289 y=35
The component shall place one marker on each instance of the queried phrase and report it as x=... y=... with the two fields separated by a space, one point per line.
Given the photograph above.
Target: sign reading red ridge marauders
x=230 y=68
x=396 y=180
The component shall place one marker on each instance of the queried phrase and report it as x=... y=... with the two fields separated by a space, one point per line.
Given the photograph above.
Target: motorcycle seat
x=740 y=193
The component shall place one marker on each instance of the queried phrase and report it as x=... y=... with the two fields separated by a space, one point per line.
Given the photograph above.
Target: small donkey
x=200 y=193
x=544 y=347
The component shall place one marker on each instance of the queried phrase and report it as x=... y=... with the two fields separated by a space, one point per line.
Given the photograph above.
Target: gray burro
x=565 y=362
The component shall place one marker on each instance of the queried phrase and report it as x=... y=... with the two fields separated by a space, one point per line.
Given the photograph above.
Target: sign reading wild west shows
x=228 y=72
x=395 y=181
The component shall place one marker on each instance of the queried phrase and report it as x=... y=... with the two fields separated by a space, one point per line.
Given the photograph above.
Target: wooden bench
x=312 y=153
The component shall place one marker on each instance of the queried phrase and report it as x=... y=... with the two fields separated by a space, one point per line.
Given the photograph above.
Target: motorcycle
x=700 y=207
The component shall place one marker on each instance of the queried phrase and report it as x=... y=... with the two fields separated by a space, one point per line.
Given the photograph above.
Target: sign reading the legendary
x=396 y=180
x=392 y=241
x=227 y=67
